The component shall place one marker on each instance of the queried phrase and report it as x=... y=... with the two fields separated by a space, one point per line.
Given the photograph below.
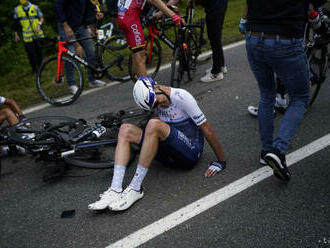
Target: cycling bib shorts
x=129 y=21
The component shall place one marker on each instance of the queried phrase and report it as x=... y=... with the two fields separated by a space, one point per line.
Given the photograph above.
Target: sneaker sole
x=126 y=207
x=274 y=163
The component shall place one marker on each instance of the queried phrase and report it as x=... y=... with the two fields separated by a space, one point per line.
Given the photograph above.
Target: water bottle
x=314 y=19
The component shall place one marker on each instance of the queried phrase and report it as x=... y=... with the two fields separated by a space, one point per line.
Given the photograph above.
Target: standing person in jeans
x=274 y=43
x=76 y=21
x=215 y=15
x=30 y=18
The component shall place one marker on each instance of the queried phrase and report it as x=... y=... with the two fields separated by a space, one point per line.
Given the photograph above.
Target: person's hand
x=38 y=28
x=99 y=15
x=242 y=26
x=177 y=20
x=68 y=32
x=16 y=38
x=21 y=118
x=214 y=168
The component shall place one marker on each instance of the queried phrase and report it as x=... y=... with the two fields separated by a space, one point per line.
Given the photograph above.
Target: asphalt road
x=268 y=214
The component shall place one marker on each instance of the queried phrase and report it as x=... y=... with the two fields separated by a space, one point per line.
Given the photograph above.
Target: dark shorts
x=181 y=149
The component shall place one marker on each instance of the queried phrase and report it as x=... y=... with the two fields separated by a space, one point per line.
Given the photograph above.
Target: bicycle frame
x=63 y=50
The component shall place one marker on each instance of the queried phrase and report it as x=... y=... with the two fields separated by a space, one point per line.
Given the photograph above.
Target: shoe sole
x=126 y=207
x=274 y=163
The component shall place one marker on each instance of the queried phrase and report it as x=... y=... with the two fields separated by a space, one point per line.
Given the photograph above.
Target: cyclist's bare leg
x=155 y=131
x=139 y=63
x=128 y=133
x=8 y=115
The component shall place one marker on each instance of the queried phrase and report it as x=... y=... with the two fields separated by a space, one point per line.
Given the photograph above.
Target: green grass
x=18 y=82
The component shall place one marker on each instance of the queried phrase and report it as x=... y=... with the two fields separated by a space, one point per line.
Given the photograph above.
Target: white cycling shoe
x=127 y=199
x=109 y=196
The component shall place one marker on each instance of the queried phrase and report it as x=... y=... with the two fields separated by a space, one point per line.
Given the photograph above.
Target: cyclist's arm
x=162 y=7
x=172 y=2
x=212 y=140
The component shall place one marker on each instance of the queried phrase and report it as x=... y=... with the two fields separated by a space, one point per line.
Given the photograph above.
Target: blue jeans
x=288 y=60
x=88 y=46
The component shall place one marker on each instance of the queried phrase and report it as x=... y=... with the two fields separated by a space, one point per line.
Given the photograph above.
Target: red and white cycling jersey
x=129 y=21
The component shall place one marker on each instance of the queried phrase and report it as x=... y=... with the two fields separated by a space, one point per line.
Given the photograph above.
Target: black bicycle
x=60 y=141
x=186 y=45
x=317 y=43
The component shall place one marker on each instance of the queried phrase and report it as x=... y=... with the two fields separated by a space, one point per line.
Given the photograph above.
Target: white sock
x=118 y=177
x=139 y=175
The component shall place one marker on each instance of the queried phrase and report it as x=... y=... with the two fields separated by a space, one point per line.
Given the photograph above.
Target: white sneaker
x=253 y=110
x=209 y=77
x=107 y=198
x=224 y=70
x=73 y=89
x=127 y=199
x=96 y=83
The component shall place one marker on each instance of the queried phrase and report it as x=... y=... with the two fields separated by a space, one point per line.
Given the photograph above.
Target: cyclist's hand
x=214 y=168
x=177 y=20
x=38 y=28
x=242 y=26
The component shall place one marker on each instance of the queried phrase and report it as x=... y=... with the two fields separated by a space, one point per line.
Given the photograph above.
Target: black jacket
x=283 y=17
x=75 y=12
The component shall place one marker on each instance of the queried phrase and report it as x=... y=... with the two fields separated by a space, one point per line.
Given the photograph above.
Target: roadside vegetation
x=16 y=78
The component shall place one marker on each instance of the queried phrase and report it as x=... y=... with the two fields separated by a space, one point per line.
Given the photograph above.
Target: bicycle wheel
x=153 y=54
x=96 y=155
x=58 y=92
x=176 y=69
x=39 y=131
x=118 y=56
x=316 y=64
x=193 y=51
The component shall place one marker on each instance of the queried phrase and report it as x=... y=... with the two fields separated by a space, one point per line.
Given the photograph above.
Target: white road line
x=157 y=228
x=163 y=67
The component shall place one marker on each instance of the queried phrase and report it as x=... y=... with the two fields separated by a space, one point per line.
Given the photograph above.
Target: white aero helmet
x=144 y=94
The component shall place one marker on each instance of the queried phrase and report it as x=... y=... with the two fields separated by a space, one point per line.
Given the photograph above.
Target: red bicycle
x=57 y=74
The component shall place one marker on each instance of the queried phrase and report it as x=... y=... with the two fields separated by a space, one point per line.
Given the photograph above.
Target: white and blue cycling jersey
x=184 y=145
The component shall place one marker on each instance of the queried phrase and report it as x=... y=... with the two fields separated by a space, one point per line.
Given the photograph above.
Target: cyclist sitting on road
x=129 y=21
x=176 y=139
x=11 y=113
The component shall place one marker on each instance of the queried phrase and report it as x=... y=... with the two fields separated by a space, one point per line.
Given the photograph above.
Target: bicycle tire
x=100 y=156
x=316 y=67
x=109 y=54
x=152 y=63
x=38 y=131
x=176 y=69
x=193 y=52
x=58 y=93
